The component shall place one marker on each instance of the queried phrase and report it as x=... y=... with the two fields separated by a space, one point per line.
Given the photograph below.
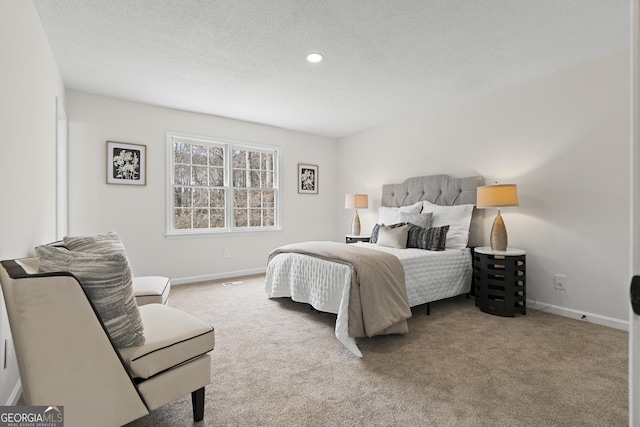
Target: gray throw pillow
x=393 y=237
x=104 y=244
x=432 y=239
x=107 y=281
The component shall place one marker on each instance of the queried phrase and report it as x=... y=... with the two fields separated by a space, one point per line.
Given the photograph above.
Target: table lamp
x=497 y=196
x=356 y=201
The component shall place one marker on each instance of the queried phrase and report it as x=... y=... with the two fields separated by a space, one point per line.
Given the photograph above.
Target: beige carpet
x=278 y=363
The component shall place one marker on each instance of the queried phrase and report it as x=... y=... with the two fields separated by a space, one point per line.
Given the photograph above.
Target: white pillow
x=458 y=218
x=391 y=216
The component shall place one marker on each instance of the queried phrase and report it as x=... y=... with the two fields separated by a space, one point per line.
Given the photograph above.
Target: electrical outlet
x=226 y=254
x=560 y=282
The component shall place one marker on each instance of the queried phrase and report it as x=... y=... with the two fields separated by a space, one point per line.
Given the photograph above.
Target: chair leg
x=197 y=400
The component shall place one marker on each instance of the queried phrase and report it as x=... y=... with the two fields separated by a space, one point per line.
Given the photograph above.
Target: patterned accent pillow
x=420 y=219
x=107 y=281
x=388 y=215
x=104 y=244
x=395 y=237
x=431 y=239
x=376 y=230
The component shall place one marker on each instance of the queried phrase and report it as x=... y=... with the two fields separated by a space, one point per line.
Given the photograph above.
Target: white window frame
x=228 y=145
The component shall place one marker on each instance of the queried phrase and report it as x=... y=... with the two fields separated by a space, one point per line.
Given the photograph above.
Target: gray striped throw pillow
x=107 y=282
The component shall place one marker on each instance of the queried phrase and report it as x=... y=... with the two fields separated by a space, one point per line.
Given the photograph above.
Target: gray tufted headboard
x=441 y=190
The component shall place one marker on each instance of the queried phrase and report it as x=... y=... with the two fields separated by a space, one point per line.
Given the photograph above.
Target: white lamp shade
x=357 y=201
x=497 y=196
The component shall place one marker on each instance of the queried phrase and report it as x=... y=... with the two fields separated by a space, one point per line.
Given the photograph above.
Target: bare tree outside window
x=214 y=192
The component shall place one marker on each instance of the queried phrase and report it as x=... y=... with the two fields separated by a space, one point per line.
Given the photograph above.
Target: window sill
x=207 y=234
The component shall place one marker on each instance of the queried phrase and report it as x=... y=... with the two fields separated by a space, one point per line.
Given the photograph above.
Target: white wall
x=564 y=140
x=30 y=81
x=138 y=213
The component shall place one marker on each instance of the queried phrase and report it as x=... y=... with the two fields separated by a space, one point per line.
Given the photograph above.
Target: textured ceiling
x=384 y=59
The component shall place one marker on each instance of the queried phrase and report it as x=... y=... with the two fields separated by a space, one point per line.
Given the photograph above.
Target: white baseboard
x=580 y=315
x=218 y=276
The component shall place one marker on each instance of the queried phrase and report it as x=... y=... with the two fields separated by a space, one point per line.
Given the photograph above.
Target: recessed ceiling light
x=314 y=57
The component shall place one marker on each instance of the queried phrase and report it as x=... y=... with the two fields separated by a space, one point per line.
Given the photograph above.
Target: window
x=220 y=186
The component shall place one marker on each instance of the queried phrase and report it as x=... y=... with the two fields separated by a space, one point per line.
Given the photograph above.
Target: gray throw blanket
x=378 y=300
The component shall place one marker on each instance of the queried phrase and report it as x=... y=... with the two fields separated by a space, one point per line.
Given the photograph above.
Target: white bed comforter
x=325 y=285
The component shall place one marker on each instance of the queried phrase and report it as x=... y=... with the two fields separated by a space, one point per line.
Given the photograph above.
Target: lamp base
x=355 y=225
x=498 y=234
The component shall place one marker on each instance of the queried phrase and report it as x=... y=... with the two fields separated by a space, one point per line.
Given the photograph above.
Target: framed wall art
x=307 y=179
x=126 y=163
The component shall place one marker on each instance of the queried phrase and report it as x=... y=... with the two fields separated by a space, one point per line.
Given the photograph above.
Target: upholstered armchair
x=67 y=357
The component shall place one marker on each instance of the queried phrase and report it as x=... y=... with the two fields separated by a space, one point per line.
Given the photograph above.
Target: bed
x=438 y=209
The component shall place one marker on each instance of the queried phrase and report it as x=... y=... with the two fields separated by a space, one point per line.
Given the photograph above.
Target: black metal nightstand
x=353 y=239
x=500 y=281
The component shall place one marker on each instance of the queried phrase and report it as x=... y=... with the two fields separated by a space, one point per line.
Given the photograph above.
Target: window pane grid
x=254 y=192
x=200 y=191
x=199 y=207
x=199 y=199
x=254 y=208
